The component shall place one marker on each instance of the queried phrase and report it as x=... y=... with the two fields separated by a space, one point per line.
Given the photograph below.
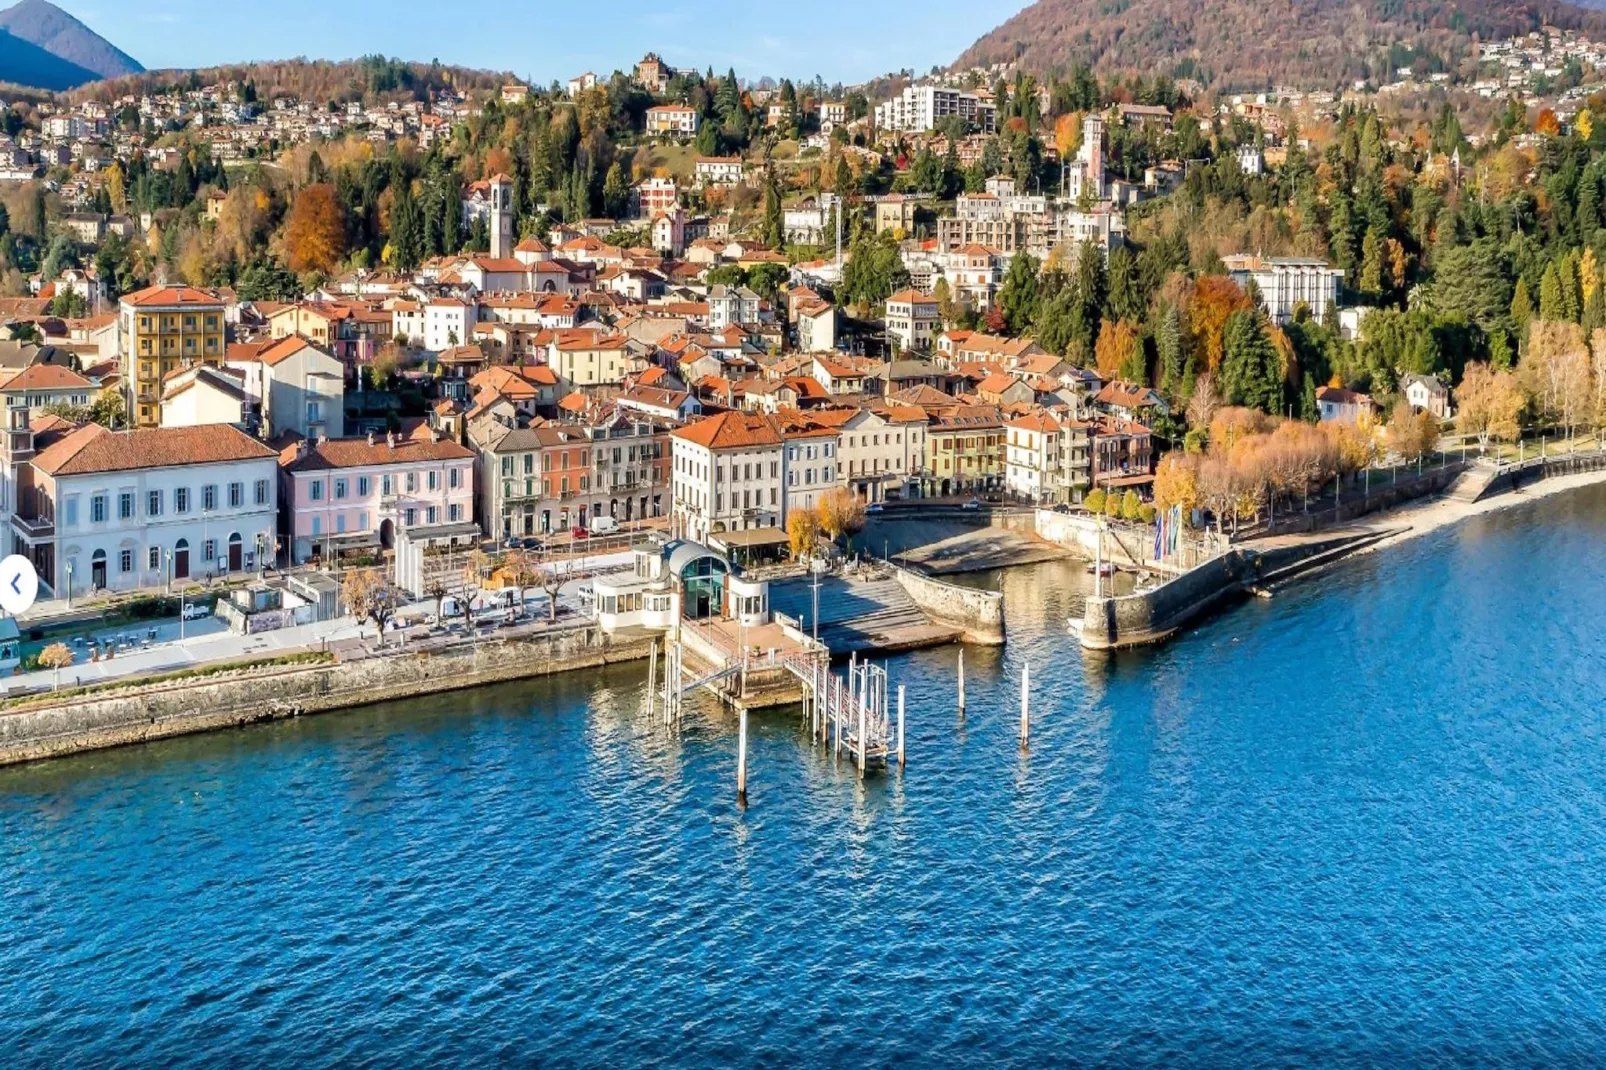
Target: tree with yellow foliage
x=802 y=532
x=1489 y=404
x=840 y=512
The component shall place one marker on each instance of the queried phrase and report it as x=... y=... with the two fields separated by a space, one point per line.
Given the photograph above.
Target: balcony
x=34 y=528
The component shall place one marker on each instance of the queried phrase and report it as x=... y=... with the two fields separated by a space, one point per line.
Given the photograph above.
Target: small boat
x=1103 y=569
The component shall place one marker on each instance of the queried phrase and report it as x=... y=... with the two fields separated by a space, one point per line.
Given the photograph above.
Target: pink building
x=361 y=493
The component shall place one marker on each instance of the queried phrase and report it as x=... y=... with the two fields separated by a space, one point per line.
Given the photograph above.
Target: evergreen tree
x=1371 y=279
x=1550 y=299
x=774 y=233
x=1125 y=300
x=1168 y=349
x=1251 y=367
x=615 y=192
x=1308 y=410
x=1017 y=296
x=1522 y=309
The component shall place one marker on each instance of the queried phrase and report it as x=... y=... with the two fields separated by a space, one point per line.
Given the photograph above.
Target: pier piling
x=961 y=681
x=1025 y=710
x=900 y=727
x=741 y=757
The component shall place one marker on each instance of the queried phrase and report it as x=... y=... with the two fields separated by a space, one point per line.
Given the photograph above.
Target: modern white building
x=921 y=107
x=126 y=510
x=1286 y=282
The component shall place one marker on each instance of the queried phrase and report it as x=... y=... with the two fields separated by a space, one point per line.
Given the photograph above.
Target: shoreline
x=1443 y=512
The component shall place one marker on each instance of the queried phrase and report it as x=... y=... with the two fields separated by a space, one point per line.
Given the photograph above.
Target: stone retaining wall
x=141 y=714
x=979 y=613
x=1155 y=615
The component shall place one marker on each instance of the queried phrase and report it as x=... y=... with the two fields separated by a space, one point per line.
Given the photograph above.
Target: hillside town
x=967 y=292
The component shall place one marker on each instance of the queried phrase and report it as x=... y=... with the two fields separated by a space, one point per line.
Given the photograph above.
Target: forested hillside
x=1252 y=44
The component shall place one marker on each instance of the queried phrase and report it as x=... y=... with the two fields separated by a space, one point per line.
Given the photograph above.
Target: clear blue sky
x=841 y=40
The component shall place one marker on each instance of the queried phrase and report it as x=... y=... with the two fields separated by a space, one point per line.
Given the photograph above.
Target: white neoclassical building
x=126 y=510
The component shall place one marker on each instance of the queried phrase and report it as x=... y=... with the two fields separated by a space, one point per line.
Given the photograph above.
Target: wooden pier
x=856 y=714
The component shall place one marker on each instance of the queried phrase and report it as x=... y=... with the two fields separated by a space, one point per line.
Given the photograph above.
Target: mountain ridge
x=54 y=31
x=24 y=63
x=1250 y=44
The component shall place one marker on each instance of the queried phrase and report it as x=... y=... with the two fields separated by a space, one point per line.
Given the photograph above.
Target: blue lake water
x=1361 y=823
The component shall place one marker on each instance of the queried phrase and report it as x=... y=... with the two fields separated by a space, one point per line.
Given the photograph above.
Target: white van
x=603 y=525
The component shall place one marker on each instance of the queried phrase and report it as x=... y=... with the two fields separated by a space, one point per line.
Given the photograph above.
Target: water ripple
x=1360 y=824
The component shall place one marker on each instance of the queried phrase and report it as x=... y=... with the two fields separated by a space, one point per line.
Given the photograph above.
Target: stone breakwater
x=139 y=714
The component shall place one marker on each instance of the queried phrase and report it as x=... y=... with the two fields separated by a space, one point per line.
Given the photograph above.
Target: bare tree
x=371 y=597
x=1205 y=401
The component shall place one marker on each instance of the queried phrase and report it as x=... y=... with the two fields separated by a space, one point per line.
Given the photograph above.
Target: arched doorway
x=97 y=571
x=181 y=560
x=387 y=534
x=236 y=553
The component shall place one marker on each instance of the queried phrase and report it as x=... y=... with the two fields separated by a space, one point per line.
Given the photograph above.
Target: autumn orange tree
x=1215 y=298
x=1119 y=350
x=315 y=233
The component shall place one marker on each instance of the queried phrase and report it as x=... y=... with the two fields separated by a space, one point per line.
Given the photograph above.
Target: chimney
x=390 y=440
x=370 y=438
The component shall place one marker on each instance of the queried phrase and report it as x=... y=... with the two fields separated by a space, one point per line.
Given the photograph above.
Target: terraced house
x=160 y=330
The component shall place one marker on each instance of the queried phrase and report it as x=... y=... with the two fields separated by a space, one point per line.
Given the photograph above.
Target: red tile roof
x=93 y=449
x=357 y=453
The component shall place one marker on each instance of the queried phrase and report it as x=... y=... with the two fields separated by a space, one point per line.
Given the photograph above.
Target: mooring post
x=1025 y=711
x=741 y=757
x=837 y=722
x=961 y=680
x=861 y=740
x=900 y=727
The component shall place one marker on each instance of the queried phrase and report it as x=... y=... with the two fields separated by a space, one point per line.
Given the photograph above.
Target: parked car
x=579 y=532
x=1062 y=508
x=196 y=610
x=972 y=505
x=604 y=525
x=873 y=508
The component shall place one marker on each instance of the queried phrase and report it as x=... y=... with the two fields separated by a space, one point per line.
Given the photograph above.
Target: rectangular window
x=364 y=486
x=181 y=500
x=314 y=490
x=507 y=466
x=454 y=478
x=153 y=503
x=411 y=517
x=340 y=488
x=434 y=479
x=412 y=482
x=125 y=561
x=209 y=497
x=153 y=560
x=340 y=523
x=236 y=495
x=125 y=505
x=262 y=492
x=97 y=509
x=387 y=486
x=317 y=526
x=72 y=512
x=209 y=550
x=454 y=513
